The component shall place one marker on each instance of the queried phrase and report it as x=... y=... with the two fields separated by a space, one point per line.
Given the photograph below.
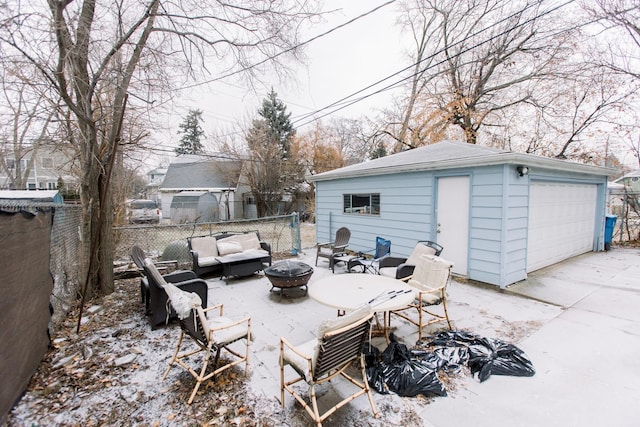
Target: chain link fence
x=169 y=242
x=625 y=204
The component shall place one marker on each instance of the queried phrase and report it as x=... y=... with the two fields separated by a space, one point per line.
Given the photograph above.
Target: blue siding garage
x=475 y=201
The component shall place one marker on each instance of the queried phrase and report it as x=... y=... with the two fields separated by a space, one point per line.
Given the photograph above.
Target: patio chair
x=138 y=256
x=339 y=342
x=209 y=334
x=430 y=279
x=399 y=267
x=157 y=302
x=332 y=250
x=370 y=265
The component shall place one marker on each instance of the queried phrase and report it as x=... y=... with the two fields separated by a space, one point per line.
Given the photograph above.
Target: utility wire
x=347 y=101
x=306 y=42
x=344 y=102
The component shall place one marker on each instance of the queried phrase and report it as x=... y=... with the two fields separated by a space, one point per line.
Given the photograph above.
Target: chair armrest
x=294 y=349
x=180 y=276
x=213 y=307
x=404 y=270
x=406 y=279
x=323 y=245
x=265 y=246
x=391 y=261
x=198 y=286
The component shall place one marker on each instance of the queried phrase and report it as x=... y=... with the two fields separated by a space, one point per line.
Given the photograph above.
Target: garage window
x=365 y=203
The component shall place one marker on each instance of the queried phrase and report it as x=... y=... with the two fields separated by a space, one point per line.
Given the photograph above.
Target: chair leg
x=203 y=371
x=175 y=356
x=446 y=312
x=314 y=403
x=282 y=374
x=366 y=383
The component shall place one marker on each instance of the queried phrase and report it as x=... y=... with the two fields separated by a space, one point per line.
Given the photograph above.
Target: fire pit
x=288 y=274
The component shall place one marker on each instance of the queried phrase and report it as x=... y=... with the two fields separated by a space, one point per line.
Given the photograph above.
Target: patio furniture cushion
x=329 y=325
x=205 y=246
x=418 y=251
x=299 y=363
x=226 y=247
x=248 y=241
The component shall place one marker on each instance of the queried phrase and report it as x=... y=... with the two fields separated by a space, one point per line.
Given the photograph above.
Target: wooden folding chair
x=339 y=343
x=209 y=334
x=430 y=279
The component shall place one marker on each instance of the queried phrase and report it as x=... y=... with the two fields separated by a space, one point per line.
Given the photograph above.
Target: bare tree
x=621 y=21
x=104 y=57
x=24 y=126
x=484 y=57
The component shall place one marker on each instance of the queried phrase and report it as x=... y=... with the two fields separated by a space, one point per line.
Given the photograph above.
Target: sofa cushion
x=252 y=254
x=228 y=246
x=205 y=246
x=208 y=261
x=248 y=241
x=418 y=251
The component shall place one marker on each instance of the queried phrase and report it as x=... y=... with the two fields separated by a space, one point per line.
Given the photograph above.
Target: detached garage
x=498 y=214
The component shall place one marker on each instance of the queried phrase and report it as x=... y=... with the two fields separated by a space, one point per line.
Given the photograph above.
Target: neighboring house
x=195 y=175
x=631 y=181
x=629 y=193
x=47 y=167
x=498 y=214
x=155 y=178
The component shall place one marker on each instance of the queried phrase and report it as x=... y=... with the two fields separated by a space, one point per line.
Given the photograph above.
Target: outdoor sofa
x=232 y=254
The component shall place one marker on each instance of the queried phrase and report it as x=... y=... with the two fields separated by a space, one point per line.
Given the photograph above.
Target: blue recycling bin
x=609 y=224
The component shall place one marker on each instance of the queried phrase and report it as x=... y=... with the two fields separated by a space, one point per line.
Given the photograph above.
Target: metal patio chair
x=371 y=265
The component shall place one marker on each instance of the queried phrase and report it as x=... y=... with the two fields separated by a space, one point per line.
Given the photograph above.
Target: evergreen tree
x=191 y=133
x=273 y=169
x=274 y=126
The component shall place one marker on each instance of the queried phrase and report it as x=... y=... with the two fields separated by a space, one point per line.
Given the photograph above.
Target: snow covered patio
x=583 y=343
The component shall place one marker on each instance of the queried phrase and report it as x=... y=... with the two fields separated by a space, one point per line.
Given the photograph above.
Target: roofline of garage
x=518 y=159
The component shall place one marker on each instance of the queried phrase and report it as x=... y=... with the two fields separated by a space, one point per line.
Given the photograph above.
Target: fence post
x=296 y=241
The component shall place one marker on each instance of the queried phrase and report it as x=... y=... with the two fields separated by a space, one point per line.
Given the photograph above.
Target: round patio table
x=347 y=292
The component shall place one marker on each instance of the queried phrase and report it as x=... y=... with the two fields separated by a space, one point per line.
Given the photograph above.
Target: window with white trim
x=362 y=203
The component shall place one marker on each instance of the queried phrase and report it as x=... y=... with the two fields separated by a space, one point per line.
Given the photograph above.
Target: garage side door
x=561 y=222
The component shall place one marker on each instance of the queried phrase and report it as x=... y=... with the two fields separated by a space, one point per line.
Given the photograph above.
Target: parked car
x=144 y=211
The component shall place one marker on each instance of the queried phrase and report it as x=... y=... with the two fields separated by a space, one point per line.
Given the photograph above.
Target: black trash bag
x=486 y=356
x=453 y=339
x=373 y=369
x=409 y=377
x=495 y=357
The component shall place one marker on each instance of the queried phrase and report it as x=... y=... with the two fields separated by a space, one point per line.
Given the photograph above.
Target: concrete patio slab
x=578 y=321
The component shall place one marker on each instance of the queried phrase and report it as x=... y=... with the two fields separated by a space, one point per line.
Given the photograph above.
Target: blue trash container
x=609 y=224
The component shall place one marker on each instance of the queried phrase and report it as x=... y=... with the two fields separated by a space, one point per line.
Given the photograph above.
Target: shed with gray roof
x=219 y=178
x=498 y=214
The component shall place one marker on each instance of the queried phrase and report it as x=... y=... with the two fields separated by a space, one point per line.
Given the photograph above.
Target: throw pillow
x=226 y=247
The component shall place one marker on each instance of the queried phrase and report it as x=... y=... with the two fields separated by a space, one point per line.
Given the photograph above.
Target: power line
x=345 y=101
x=270 y=58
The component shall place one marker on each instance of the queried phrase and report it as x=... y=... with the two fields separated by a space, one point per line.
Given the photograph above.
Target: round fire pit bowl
x=288 y=274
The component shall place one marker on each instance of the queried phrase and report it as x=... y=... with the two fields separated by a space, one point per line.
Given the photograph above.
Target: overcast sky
x=339 y=64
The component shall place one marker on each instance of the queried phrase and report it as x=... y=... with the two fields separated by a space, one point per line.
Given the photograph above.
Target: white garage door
x=561 y=222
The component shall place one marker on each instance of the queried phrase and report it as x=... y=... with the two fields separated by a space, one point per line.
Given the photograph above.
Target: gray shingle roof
x=205 y=174
x=449 y=155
